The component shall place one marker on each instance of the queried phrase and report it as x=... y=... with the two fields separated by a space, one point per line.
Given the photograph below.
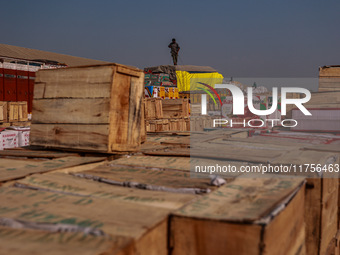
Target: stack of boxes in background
x=14 y=137
x=166 y=115
x=329 y=78
x=14 y=119
x=160 y=85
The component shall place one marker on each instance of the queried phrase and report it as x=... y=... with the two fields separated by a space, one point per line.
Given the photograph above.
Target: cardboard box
x=9 y=139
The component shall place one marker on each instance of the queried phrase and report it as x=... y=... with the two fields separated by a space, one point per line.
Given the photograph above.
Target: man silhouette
x=174 y=50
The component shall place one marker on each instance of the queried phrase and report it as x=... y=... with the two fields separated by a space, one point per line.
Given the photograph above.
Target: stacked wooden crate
x=155 y=205
x=325 y=109
x=247 y=216
x=89 y=108
x=329 y=78
x=289 y=149
x=13 y=114
x=199 y=123
x=113 y=204
x=166 y=115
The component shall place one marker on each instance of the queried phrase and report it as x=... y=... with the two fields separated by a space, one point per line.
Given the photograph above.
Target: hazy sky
x=241 y=38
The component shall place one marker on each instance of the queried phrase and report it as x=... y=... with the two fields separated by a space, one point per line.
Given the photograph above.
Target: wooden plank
x=295 y=140
x=61 y=243
x=324 y=148
x=143 y=126
x=277 y=239
x=129 y=71
x=188 y=237
x=168 y=139
x=20 y=124
x=79 y=89
x=119 y=113
x=329 y=85
x=329 y=214
x=23 y=111
x=238 y=218
x=125 y=135
x=329 y=82
x=329 y=71
x=329 y=190
x=153 y=108
x=328 y=98
x=13 y=111
x=87 y=82
x=3 y=111
x=329 y=89
x=71 y=111
x=255 y=154
x=80 y=168
x=69 y=184
x=155 y=162
x=135 y=124
x=11 y=169
x=147 y=226
x=35 y=154
x=333 y=248
x=175 y=108
x=82 y=137
x=335 y=80
x=5 y=124
x=169 y=163
x=321 y=199
x=173 y=181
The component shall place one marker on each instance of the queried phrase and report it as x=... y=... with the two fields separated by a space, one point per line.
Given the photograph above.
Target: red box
x=31 y=78
x=10 y=85
x=22 y=86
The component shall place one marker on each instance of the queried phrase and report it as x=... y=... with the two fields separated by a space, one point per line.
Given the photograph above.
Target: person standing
x=174 y=50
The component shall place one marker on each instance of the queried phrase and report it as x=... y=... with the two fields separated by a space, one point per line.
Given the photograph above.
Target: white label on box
x=24 y=138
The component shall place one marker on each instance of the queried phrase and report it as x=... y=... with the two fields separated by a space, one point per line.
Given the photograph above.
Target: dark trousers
x=174 y=57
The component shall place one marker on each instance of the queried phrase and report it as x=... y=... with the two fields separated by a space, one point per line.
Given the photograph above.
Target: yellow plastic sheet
x=189 y=81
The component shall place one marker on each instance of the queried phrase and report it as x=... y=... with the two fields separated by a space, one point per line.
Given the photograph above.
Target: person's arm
x=169 y=46
x=178 y=48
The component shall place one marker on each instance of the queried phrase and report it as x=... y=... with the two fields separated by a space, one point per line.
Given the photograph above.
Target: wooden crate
x=136 y=202
x=175 y=108
x=321 y=206
x=146 y=225
x=17 y=111
x=247 y=216
x=3 y=111
x=153 y=108
x=88 y=108
x=329 y=78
